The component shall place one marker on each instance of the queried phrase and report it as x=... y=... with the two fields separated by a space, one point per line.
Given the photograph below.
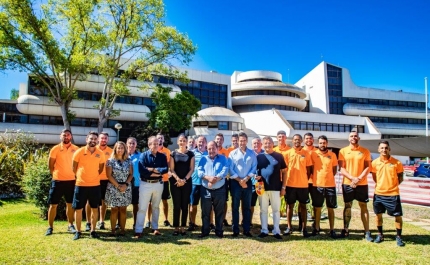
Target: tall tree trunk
x=64 y=111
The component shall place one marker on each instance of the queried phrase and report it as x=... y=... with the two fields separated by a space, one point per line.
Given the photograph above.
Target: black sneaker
x=248 y=234
x=101 y=225
x=333 y=234
x=399 y=241
x=277 y=236
x=344 y=233
x=225 y=222
x=287 y=231
x=262 y=235
x=49 y=231
x=315 y=232
x=167 y=223
x=71 y=229
x=148 y=225
x=305 y=233
x=212 y=227
x=88 y=227
x=202 y=235
x=235 y=235
x=379 y=238
x=77 y=235
x=94 y=234
x=191 y=227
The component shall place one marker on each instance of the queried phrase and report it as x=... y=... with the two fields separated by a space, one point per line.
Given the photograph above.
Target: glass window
x=222 y=125
x=234 y=126
x=213 y=124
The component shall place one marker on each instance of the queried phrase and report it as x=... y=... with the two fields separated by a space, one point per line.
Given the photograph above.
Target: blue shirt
x=197 y=156
x=157 y=161
x=135 y=161
x=218 y=167
x=242 y=164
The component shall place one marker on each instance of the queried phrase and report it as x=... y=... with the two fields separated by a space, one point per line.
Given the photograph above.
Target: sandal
x=175 y=233
x=344 y=233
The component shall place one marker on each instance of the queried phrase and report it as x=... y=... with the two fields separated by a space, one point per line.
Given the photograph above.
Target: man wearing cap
x=282 y=147
x=63 y=179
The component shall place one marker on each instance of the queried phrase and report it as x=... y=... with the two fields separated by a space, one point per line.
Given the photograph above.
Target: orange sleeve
x=334 y=160
x=53 y=152
x=399 y=167
x=341 y=158
x=373 y=166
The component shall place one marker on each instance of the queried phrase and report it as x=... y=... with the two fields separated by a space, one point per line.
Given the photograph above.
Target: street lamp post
x=118 y=126
x=427 y=125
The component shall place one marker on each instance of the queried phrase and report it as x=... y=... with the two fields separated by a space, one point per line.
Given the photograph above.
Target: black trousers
x=181 y=201
x=215 y=198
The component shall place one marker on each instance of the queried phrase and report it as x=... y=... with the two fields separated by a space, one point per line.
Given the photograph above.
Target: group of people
x=97 y=177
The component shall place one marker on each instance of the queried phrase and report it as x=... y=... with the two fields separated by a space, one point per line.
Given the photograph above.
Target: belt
x=222 y=187
x=152 y=180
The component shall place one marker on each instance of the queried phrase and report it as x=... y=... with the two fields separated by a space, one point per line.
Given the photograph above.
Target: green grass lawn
x=23 y=241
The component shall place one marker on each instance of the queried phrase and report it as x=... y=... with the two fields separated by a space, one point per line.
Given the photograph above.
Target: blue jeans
x=215 y=198
x=240 y=194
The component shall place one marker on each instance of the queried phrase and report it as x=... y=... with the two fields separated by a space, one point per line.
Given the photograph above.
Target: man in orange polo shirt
x=354 y=163
x=166 y=190
x=296 y=187
x=282 y=147
x=234 y=143
x=107 y=151
x=387 y=173
x=88 y=164
x=63 y=179
x=310 y=148
x=324 y=185
x=219 y=139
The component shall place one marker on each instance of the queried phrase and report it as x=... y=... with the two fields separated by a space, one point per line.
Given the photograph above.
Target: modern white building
x=324 y=101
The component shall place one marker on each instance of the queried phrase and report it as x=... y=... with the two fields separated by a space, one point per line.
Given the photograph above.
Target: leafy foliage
x=173 y=113
x=36 y=184
x=142 y=134
x=14 y=93
x=17 y=149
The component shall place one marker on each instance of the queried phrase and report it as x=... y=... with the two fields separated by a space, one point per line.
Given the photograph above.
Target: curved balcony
x=269 y=100
x=383 y=111
x=401 y=128
x=28 y=104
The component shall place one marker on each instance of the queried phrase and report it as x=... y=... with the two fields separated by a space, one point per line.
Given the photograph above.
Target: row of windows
x=398 y=120
x=264 y=92
x=258 y=107
x=259 y=79
x=389 y=136
x=328 y=127
x=221 y=125
x=386 y=102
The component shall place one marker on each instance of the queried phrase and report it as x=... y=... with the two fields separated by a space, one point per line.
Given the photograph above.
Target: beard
x=92 y=144
x=66 y=141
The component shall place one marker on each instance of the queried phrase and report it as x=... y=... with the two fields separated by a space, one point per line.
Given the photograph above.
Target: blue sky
x=384 y=44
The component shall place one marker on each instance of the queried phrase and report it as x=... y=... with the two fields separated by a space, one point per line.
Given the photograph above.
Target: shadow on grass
x=13 y=201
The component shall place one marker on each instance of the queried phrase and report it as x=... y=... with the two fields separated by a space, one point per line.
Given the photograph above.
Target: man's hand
x=282 y=193
x=257 y=178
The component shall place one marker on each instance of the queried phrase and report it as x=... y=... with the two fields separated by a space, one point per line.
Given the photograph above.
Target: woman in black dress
x=181 y=167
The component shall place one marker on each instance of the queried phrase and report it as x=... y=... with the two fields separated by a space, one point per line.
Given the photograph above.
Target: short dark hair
x=93 y=133
x=268 y=138
x=235 y=135
x=104 y=133
x=384 y=142
x=132 y=139
x=216 y=145
x=309 y=134
x=323 y=137
x=298 y=136
x=220 y=135
x=242 y=134
x=66 y=130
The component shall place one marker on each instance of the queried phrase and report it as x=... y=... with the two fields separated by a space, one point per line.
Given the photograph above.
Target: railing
x=412 y=190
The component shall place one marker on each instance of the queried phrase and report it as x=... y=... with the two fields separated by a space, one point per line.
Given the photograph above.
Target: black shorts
x=60 y=188
x=391 y=204
x=310 y=187
x=254 y=198
x=135 y=195
x=103 y=187
x=296 y=194
x=166 y=191
x=195 y=195
x=360 y=193
x=319 y=194
x=84 y=194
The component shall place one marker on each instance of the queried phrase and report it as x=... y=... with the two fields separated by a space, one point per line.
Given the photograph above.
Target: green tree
x=14 y=93
x=52 y=41
x=172 y=113
x=143 y=133
x=137 y=44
